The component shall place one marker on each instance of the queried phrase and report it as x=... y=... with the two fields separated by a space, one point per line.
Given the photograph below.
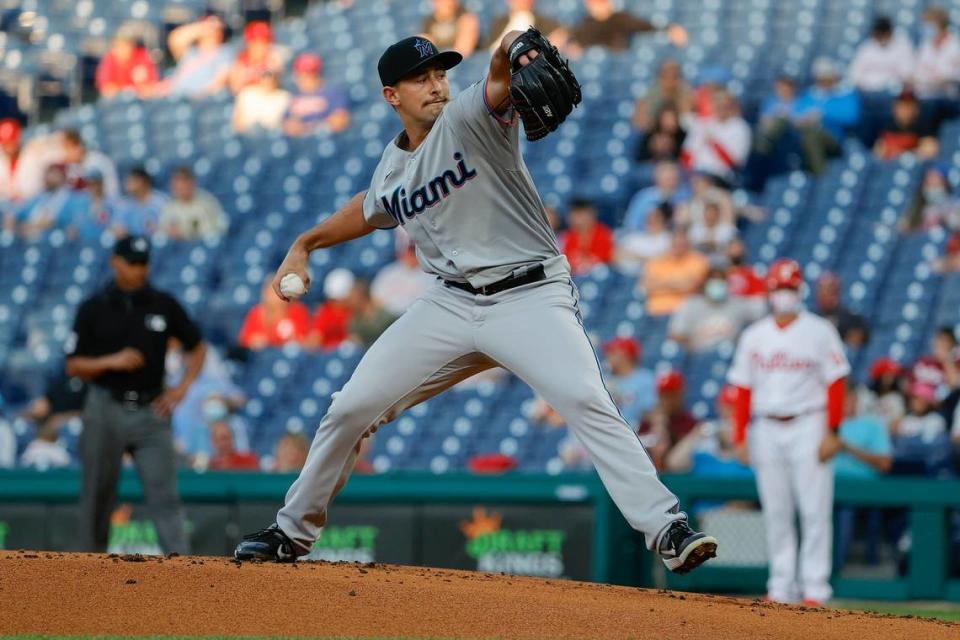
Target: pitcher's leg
x=776 y=498
x=426 y=347
x=538 y=337
x=813 y=484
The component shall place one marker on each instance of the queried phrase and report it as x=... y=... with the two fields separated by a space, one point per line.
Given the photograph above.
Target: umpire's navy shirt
x=112 y=320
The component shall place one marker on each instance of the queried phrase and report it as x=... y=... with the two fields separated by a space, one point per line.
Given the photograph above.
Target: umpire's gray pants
x=109 y=430
x=448 y=335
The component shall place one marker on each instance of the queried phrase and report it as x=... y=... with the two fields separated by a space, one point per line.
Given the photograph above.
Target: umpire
x=119 y=345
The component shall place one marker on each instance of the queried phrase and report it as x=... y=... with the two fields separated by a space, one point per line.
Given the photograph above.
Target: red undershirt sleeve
x=835 y=395
x=741 y=415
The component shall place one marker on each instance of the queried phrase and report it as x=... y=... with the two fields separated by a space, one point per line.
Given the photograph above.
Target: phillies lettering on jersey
x=788 y=369
x=428 y=195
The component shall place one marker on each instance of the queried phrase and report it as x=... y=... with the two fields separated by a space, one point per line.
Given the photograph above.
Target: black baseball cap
x=134 y=249
x=410 y=55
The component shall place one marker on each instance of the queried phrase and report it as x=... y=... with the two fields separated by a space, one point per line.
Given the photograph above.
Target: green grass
x=939 y=610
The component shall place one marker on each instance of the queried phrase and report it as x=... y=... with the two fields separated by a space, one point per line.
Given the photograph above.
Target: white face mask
x=785 y=302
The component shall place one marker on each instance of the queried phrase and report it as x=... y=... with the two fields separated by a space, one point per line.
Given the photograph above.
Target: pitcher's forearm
x=347 y=223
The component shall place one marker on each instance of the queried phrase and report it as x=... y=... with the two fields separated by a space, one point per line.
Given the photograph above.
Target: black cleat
x=269 y=545
x=682 y=549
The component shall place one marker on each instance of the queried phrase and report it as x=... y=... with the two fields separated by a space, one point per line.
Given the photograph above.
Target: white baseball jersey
x=788 y=369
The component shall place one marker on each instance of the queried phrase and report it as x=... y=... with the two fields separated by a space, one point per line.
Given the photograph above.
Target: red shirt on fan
x=258 y=332
x=330 y=323
x=236 y=461
x=136 y=73
x=585 y=253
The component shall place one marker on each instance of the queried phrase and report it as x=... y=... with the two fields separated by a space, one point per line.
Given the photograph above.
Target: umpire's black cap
x=412 y=54
x=134 y=249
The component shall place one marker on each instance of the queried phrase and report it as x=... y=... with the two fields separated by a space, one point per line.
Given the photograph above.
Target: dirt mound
x=85 y=594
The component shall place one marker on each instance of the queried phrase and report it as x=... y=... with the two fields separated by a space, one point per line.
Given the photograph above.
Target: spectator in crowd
x=402 y=282
x=274 y=322
x=665 y=139
x=934 y=204
x=203 y=60
x=907 y=130
x=44 y=451
x=939 y=368
x=937 y=67
x=258 y=57
x=866 y=452
x=605 y=26
x=95 y=216
x=884 y=62
x=711 y=235
x=587 y=242
x=289 y=453
x=633 y=388
x=521 y=15
x=126 y=67
x=823 y=114
x=213 y=397
x=225 y=455
x=711 y=317
x=139 y=212
x=667 y=192
x=263 y=104
x=11 y=173
x=950 y=261
x=451 y=26
x=882 y=396
x=852 y=327
x=668 y=422
x=718 y=144
x=332 y=318
x=776 y=118
x=669 y=88
x=708 y=449
x=635 y=248
x=191 y=212
x=316 y=105
x=670 y=278
x=55 y=207
x=80 y=162
x=921 y=439
x=367 y=318
x=703 y=193
x=711 y=78
x=741 y=277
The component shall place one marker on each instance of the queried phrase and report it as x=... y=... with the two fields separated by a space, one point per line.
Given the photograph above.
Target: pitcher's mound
x=86 y=594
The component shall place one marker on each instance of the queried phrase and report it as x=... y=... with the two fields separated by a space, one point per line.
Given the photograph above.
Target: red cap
x=307 y=63
x=258 y=30
x=670 y=381
x=728 y=395
x=953 y=244
x=784 y=274
x=9 y=131
x=628 y=345
x=883 y=366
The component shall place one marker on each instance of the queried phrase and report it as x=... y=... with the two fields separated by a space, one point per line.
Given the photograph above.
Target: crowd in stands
x=678 y=237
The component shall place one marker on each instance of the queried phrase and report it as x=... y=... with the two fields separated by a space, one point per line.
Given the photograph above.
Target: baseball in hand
x=291 y=286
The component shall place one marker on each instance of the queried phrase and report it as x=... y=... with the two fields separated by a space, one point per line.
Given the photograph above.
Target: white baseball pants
x=791 y=479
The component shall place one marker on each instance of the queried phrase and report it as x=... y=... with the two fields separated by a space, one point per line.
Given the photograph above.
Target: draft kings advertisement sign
x=549 y=542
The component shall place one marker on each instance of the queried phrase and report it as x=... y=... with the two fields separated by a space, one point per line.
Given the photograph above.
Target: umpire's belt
x=138 y=398
x=521 y=276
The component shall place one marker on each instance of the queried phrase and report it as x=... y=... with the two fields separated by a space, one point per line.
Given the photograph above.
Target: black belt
x=791 y=418
x=139 y=398
x=524 y=275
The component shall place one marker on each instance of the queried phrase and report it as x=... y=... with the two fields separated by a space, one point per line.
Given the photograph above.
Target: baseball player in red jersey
x=790 y=372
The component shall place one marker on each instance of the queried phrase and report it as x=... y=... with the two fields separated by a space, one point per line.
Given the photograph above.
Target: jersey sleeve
x=182 y=327
x=833 y=360
x=374 y=212
x=80 y=340
x=740 y=373
x=475 y=121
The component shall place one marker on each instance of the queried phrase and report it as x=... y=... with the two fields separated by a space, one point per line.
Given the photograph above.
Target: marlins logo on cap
x=423 y=47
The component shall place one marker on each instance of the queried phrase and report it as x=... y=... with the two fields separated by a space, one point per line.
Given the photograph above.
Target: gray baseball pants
x=109 y=429
x=534 y=331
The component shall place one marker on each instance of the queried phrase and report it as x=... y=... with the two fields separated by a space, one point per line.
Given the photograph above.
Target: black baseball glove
x=545 y=91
